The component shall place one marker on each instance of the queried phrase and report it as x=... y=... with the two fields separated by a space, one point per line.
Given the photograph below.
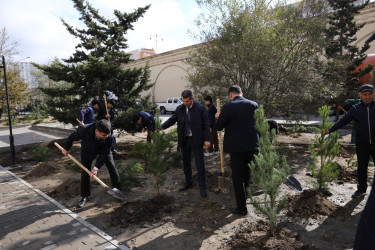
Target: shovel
x=224 y=183
x=106 y=109
x=292 y=182
x=114 y=192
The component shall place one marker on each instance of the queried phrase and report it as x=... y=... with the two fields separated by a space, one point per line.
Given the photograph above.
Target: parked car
x=169 y=106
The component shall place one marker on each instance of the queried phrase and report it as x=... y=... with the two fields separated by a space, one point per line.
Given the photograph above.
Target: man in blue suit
x=193 y=129
x=241 y=140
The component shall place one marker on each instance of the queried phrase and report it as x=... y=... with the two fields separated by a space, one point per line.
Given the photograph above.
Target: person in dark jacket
x=96 y=140
x=241 y=140
x=193 y=132
x=214 y=144
x=346 y=105
x=87 y=115
x=148 y=123
x=364 y=115
x=112 y=112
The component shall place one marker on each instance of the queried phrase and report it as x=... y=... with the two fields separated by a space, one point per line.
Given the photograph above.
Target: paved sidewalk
x=24 y=135
x=29 y=219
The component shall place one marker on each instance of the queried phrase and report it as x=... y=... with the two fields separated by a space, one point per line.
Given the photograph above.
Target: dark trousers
x=85 y=178
x=241 y=176
x=214 y=143
x=186 y=149
x=148 y=135
x=364 y=150
x=365 y=236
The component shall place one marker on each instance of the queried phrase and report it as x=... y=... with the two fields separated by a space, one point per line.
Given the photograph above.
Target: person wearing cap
x=363 y=114
x=87 y=115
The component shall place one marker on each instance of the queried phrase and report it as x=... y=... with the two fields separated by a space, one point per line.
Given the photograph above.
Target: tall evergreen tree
x=344 y=57
x=96 y=65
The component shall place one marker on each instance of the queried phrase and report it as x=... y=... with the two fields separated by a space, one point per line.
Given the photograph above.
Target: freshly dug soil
x=346 y=175
x=69 y=188
x=140 y=211
x=42 y=169
x=310 y=204
x=257 y=236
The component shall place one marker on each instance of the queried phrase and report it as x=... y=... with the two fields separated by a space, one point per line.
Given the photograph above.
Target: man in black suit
x=241 y=140
x=96 y=142
x=193 y=129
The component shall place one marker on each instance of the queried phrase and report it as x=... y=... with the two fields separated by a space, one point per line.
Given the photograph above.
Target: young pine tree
x=267 y=173
x=156 y=154
x=323 y=153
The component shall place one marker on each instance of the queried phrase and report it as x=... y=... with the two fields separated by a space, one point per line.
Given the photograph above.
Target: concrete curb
x=24 y=147
x=64 y=131
x=13 y=126
x=69 y=212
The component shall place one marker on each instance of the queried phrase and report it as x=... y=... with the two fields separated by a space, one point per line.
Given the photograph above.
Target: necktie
x=188 y=131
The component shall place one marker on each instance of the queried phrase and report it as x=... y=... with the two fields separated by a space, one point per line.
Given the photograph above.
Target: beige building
x=169 y=72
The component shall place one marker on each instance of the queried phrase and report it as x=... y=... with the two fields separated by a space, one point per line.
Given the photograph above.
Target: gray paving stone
x=31 y=220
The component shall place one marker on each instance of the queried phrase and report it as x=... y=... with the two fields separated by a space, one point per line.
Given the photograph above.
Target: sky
x=36 y=25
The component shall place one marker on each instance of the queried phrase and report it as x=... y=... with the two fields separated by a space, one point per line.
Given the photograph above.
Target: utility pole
x=11 y=139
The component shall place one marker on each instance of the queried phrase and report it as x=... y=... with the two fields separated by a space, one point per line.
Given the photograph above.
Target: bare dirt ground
x=184 y=220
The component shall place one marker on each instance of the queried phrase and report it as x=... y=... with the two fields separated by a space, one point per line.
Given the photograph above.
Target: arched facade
x=168 y=71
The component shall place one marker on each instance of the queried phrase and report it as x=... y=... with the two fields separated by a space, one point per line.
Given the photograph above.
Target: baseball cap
x=366 y=87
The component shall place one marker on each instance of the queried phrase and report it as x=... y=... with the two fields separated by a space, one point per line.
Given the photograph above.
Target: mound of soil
x=42 y=169
x=258 y=237
x=347 y=152
x=68 y=188
x=310 y=204
x=346 y=175
x=140 y=211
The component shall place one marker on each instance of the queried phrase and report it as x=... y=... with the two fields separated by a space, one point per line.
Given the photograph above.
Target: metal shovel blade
x=224 y=184
x=291 y=181
x=115 y=193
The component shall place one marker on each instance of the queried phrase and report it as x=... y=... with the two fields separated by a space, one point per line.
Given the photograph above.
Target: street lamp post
x=11 y=139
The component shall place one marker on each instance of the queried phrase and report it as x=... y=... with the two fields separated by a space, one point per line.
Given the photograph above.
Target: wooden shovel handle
x=106 y=109
x=220 y=140
x=83 y=167
x=80 y=123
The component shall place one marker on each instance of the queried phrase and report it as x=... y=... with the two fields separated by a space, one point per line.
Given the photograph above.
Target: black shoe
x=358 y=194
x=203 y=193
x=238 y=211
x=186 y=186
x=82 y=202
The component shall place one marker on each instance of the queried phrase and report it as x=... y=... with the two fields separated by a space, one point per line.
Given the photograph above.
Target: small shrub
x=30 y=117
x=40 y=153
x=298 y=129
x=129 y=173
x=14 y=121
